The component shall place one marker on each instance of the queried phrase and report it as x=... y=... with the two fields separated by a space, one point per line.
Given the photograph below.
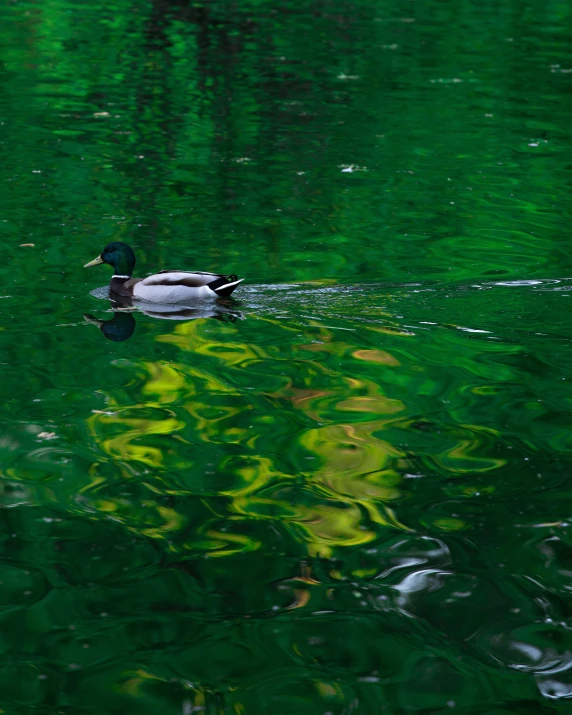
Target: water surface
x=348 y=490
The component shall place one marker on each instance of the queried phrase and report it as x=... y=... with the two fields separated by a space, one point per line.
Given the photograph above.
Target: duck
x=164 y=286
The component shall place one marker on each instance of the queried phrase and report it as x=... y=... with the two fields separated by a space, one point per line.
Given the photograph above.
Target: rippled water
x=346 y=491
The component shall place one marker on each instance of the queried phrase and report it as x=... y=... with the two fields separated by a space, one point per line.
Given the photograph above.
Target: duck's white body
x=147 y=289
x=180 y=286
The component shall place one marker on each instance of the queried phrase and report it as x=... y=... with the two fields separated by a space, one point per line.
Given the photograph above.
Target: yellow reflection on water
x=331 y=480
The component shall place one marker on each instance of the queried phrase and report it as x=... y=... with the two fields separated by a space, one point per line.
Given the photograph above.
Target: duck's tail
x=227 y=288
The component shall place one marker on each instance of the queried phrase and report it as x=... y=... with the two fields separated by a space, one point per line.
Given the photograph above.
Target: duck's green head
x=119 y=255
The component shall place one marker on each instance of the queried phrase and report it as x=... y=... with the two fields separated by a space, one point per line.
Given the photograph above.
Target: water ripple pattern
x=347 y=490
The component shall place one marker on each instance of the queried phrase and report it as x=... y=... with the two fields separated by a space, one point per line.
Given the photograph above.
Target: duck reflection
x=118 y=328
x=122 y=325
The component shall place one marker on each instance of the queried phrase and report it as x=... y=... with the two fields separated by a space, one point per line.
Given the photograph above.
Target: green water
x=350 y=493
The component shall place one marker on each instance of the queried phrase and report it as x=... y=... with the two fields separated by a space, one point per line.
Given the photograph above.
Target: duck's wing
x=199 y=273
x=194 y=279
x=177 y=286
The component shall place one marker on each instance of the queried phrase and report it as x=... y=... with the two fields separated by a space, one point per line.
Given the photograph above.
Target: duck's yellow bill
x=95 y=262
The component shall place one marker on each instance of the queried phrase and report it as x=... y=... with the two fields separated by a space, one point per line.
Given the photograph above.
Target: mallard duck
x=162 y=287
